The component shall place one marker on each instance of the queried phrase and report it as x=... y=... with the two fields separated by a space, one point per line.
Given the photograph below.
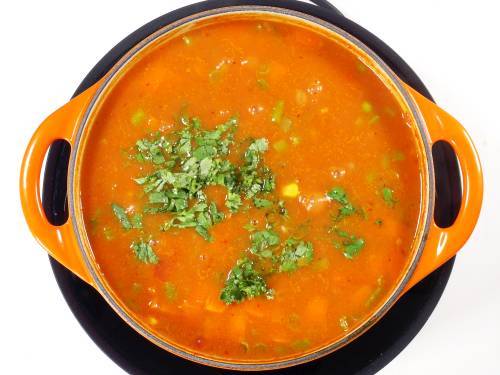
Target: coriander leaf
x=388 y=196
x=295 y=254
x=264 y=242
x=351 y=244
x=144 y=252
x=136 y=221
x=339 y=195
x=262 y=203
x=122 y=216
x=233 y=202
x=187 y=161
x=244 y=282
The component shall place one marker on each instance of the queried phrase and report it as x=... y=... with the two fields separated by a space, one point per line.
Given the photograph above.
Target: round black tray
x=366 y=355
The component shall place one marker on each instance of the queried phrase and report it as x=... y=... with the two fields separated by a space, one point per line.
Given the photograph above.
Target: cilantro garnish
x=191 y=159
x=262 y=203
x=350 y=244
x=295 y=254
x=340 y=196
x=263 y=243
x=266 y=249
x=388 y=196
x=244 y=282
x=144 y=252
x=122 y=216
x=127 y=223
x=233 y=202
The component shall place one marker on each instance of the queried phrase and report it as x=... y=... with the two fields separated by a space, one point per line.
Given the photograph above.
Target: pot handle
x=59 y=241
x=443 y=243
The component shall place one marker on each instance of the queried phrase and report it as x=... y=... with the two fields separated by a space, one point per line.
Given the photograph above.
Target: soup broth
x=251 y=190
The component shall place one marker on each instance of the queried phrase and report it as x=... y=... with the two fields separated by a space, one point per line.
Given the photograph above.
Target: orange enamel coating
x=443 y=243
x=59 y=241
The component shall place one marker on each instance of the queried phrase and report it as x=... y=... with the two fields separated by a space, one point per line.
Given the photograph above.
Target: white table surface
x=49 y=46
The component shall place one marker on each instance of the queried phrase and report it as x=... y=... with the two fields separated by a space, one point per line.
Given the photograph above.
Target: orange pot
x=68 y=243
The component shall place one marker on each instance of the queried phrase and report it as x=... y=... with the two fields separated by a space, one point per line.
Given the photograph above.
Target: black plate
x=367 y=354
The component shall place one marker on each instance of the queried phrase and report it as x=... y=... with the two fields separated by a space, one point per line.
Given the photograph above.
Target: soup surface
x=251 y=190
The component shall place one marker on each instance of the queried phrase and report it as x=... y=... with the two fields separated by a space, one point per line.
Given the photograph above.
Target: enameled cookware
x=433 y=245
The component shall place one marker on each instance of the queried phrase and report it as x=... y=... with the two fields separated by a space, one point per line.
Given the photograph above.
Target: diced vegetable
x=170 y=290
x=375 y=119
x=108 y=233
x=137 y=117
x=366 y=106
x=277 y=112
x=291 y=190
x=262 y=83
x=280 y=145
x=301 y=344
x=295 y=140
x=321 y=264
x=214 y=305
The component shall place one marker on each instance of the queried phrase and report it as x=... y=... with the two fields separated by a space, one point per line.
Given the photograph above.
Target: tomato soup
x=251 y=190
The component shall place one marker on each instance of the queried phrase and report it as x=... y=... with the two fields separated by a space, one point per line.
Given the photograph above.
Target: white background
x=49 y=46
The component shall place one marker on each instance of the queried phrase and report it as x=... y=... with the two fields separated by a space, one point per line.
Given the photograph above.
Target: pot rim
x=426 y=204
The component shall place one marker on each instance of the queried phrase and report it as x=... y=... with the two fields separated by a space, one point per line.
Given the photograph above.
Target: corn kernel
x=290 y=190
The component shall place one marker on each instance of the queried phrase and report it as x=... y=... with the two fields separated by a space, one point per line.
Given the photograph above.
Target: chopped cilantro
x=152 y=150
x=122 y=216
x=144 y=252
x=350 y=244
x=136 y=221
x=295 y=254
x=263 y=243
x=262 y=203
x=244 y=282
x=388 y=196
x=251 y=227
x=189 y=160
x=233 y=202
x=339 y=195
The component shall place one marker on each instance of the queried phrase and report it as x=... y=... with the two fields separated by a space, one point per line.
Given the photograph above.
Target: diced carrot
x=237 y=326
x=214 y=305
x=317 y=309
